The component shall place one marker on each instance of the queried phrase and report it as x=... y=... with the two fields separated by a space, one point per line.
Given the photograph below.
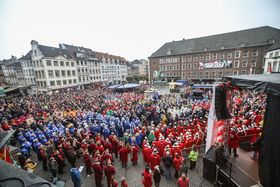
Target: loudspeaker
x=221 y=103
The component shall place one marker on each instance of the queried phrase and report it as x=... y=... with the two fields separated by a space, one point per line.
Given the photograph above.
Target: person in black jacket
x=157 y=176
x=167 y=161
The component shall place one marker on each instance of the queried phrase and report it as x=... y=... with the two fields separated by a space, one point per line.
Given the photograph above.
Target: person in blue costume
x=27 y=145
x=106 y=132
x=21 y=139
x=36 y=145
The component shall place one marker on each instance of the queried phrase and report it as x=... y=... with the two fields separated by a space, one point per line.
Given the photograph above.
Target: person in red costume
x=124 y=155
x=183 y=181
x=134 y=154
x=147 y=178
x=87 y=160
x=147 y=151
x=123 y=183
x=176 y=163
x=154 y=159
x=109 y=171
x=233 y=141
x=98 y=172
x=114 y=182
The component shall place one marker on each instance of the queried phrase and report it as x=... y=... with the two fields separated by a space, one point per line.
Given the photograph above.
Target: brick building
x=209 y=58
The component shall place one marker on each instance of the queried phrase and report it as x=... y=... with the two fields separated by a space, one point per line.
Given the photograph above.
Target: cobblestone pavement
x=132 y=174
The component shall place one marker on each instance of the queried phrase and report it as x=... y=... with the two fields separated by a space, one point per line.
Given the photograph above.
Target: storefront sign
x=215 y=64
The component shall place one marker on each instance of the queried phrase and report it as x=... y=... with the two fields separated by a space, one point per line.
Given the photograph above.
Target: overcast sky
x=133 y=29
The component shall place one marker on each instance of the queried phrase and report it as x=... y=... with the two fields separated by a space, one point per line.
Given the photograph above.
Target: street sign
x=2 y=93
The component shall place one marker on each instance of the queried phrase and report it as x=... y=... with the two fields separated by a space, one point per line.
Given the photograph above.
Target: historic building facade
x=272 y=59
x=209 y=58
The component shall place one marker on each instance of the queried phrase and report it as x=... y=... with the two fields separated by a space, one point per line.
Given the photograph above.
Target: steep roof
x=89 y=53
x=54 y=52
x=249 y=37
x=27 y=56
x=275 y=46
x=75 y=50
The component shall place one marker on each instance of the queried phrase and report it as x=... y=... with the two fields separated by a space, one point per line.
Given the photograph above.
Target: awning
x=268 y=83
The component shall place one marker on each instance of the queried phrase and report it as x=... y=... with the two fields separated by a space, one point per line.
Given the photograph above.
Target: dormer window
x=205 y=49
x=242 y=45
x=169 y=51
x=35 y=52
x=222 y=47
x=271 y=41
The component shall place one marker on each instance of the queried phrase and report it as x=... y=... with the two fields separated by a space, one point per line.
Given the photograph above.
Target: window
x=276 y=54
x=255 y=52
x=50 y=73
x=243 y=72
x=61 y=63
x=237 y=54
x=72 y=64
x=67 y=64
x=235 y=72
x=274 y=67
x=221 y=56
x=236 y=64
x=229 y=55
x=183 y=58
x=253 y=63
x=244 y=64
x=58 y=83
x=195 y=58
x=49 y=63
x=214 y=56
x=270 y=55
x=195 y=66
x=220 y=74
x=206 y=74
x=70 y=81
x=64 y=82
x=63 y=73
x=201 y=57
x=52 y=83
x=57 y=74
x=245 y=53
x=75 y=81
x=189 y=58
x=189 y=66
x=68 y=73
x=73 y=73
x=55 y=63
x=208 y=57
x=213 y=74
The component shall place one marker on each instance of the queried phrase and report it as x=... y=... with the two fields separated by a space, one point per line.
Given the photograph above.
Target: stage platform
x=244 y=170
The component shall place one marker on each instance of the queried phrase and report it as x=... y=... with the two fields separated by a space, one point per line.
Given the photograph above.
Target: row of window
x=60 y=63
x=63 y=82
x=210 y=56
x=273 y=54
x=61 y=73
x=194 y=66
x=215 y=74
x=244 y=64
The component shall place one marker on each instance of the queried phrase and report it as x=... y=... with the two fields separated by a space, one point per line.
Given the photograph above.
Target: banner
x=5 y=154
x=212 y=118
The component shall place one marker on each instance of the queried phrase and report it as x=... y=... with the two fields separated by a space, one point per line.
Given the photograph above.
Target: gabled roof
x=54 y=52
x=275 y=46
x=249 y=37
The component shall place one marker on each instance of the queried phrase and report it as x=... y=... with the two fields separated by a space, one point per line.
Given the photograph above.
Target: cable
x=12 y=178
x=40 y=183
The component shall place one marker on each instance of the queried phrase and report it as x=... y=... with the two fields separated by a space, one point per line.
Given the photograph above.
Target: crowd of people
x=101 y=126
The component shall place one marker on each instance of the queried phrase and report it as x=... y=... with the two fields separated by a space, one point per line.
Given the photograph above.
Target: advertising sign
x=215 y=64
